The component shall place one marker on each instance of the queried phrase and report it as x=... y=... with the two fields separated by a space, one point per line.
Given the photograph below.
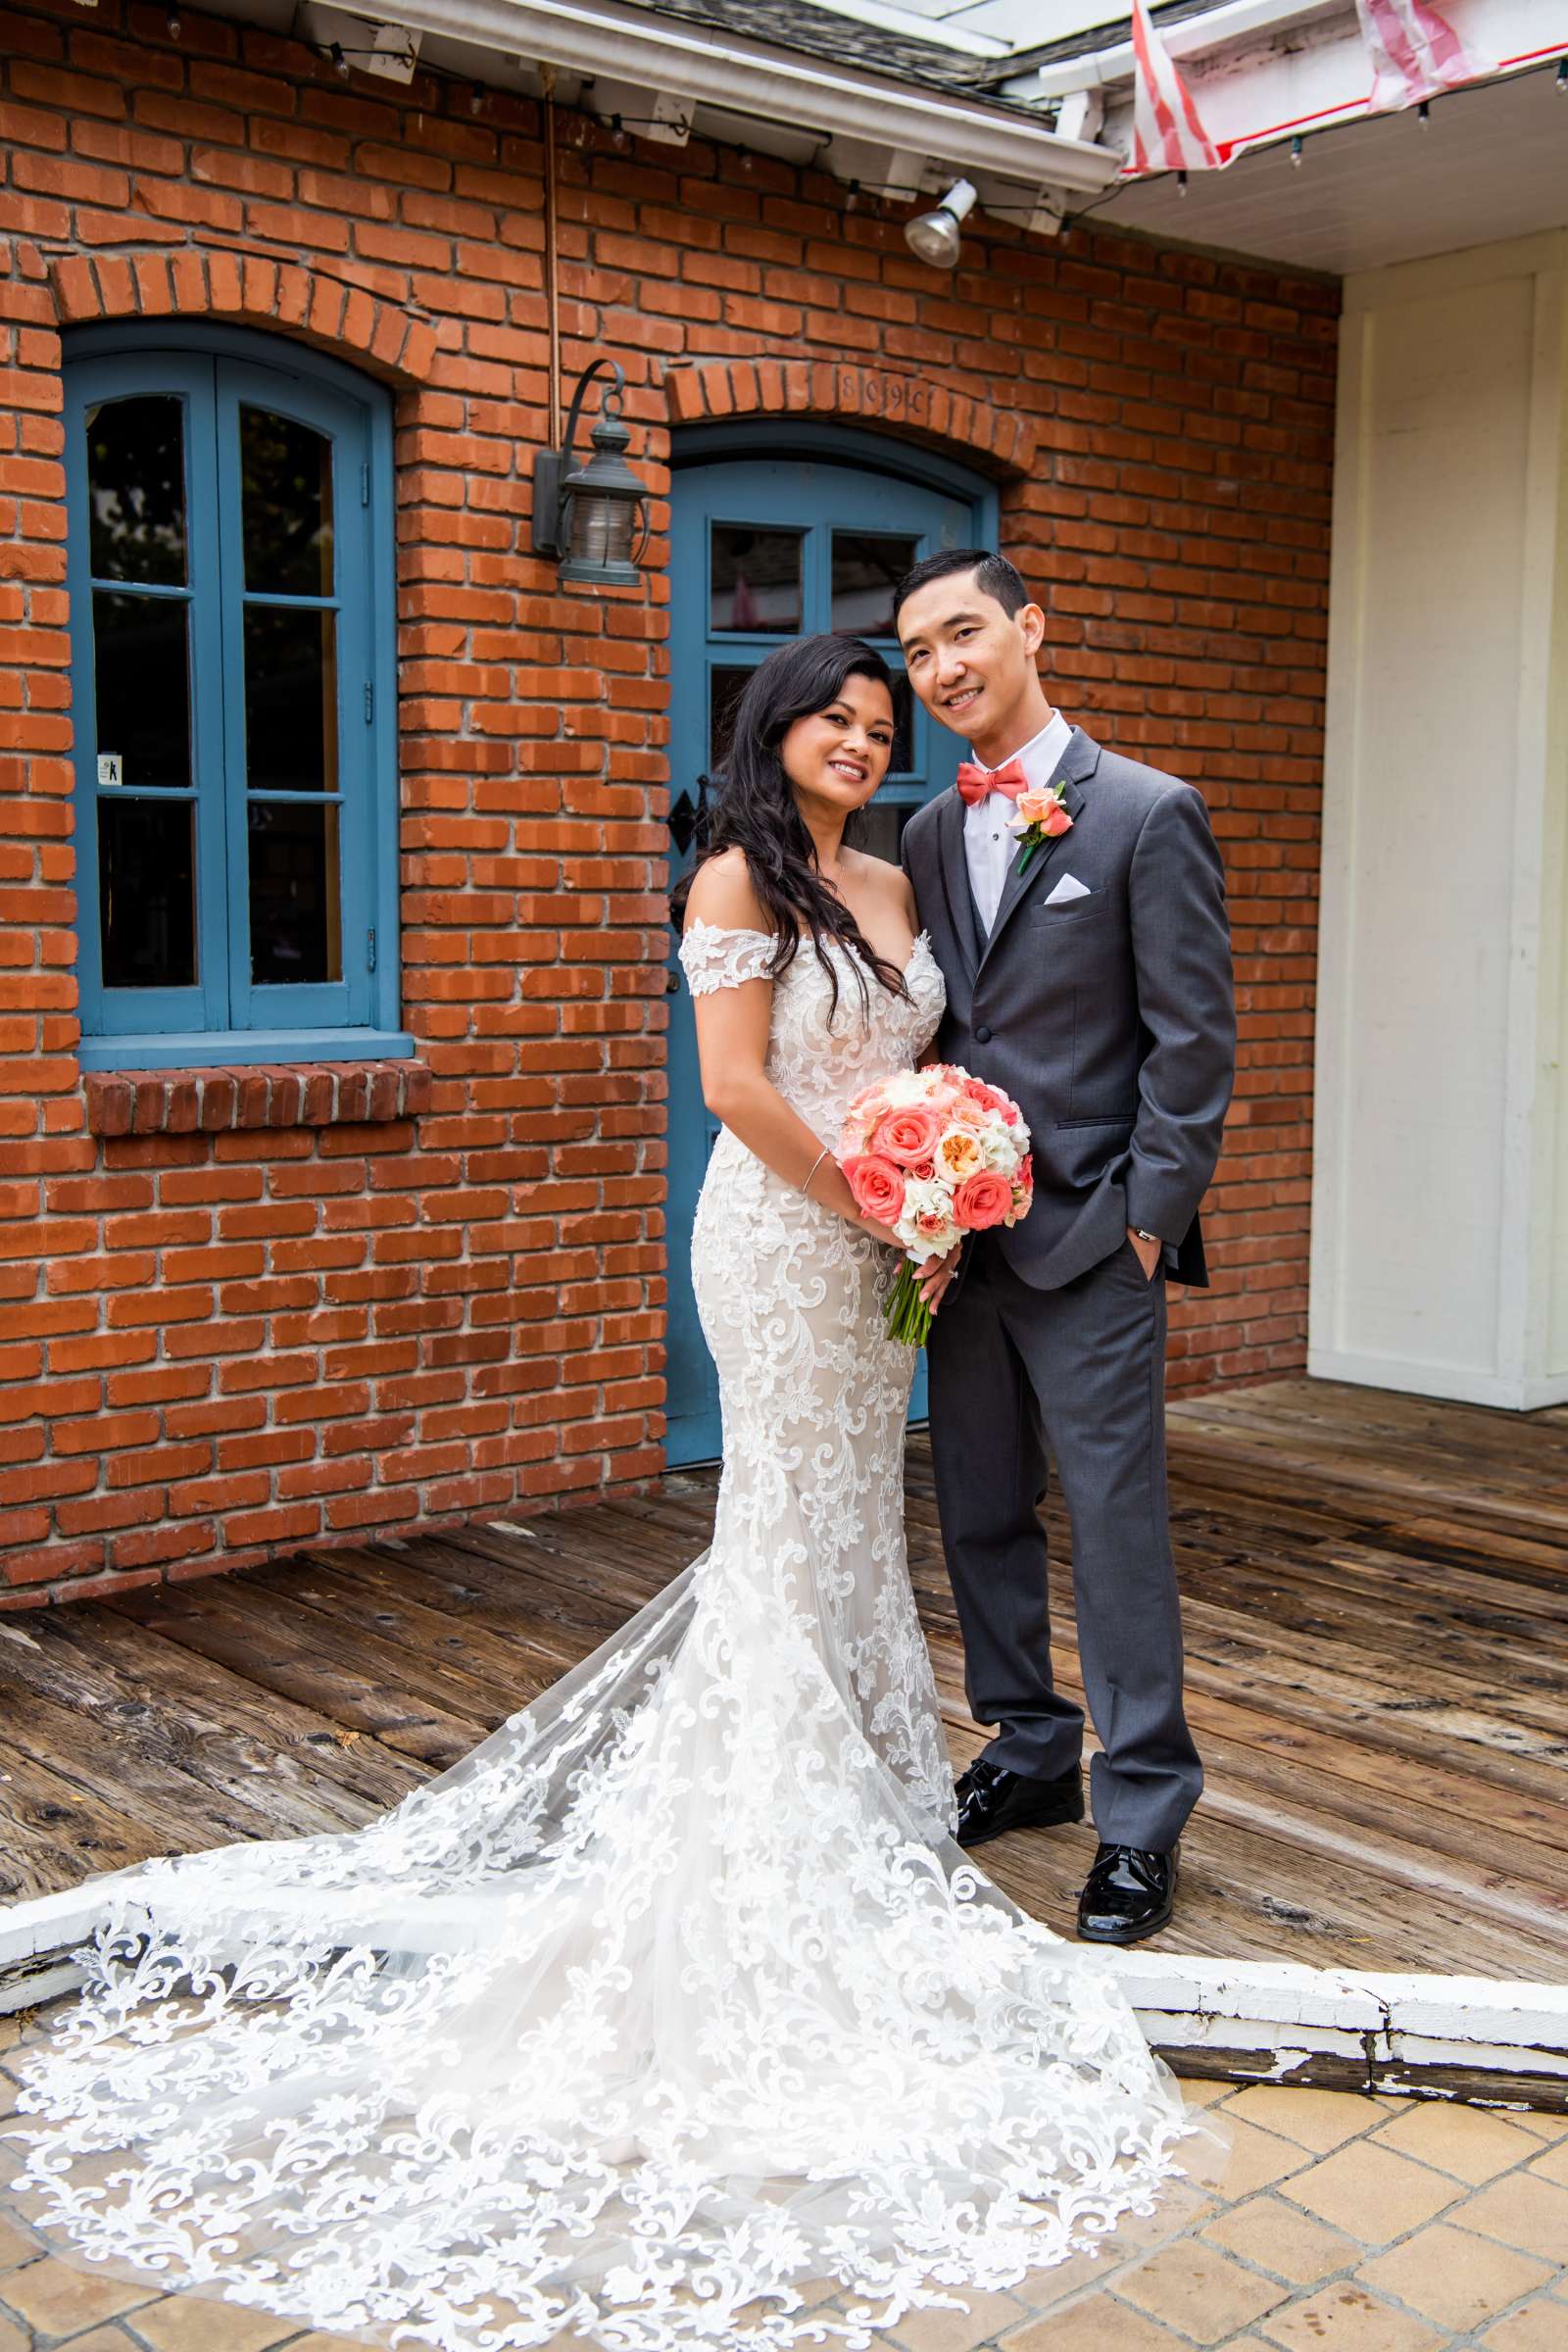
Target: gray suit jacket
x=1109 y=1019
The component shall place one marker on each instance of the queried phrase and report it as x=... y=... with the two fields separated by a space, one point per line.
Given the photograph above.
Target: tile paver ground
x=1342 y=2224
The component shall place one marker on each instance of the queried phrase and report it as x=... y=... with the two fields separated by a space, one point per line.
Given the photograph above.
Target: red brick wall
x=225 y=1341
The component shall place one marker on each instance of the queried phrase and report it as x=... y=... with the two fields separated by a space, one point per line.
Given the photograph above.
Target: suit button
x=982 y=1035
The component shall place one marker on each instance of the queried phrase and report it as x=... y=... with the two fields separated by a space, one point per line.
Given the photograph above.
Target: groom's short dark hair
x=994 y=576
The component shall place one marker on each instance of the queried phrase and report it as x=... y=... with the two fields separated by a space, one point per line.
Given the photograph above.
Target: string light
x=173 y=22
x=1423 y=114
x=1181 y=184
x=340 y=64
x=1562 y=75
x=1297 y=151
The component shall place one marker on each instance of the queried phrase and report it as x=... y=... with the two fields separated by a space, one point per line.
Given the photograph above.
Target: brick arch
x=996 y=440
x=308 y=304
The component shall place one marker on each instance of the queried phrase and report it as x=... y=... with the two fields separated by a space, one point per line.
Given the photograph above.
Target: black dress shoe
x=992 y=1799
x=1128 y=1894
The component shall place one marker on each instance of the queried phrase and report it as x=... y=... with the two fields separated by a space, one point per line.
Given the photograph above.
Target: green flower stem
x=907 y=1316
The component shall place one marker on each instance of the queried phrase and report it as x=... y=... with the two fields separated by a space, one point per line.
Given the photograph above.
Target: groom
x=1091 y=980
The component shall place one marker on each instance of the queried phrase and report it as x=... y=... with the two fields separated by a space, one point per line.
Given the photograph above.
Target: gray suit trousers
x=1076 y=1372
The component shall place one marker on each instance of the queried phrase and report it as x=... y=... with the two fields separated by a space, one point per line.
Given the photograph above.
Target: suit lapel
x=956 y=880
x=1077 y=762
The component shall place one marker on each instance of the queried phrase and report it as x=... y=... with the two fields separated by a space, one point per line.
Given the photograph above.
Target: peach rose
x=931 y=1225
x=906 y=1136
x=981 y=1200
x=958 y=1153
x=1034 y=803
x=1038 y=806
x=877 y=1186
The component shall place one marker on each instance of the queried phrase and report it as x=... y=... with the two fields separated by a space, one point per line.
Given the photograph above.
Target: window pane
x=146 y=892
x=290 y=699
x=879 y=830
x=141 y=671
x=296 y=893
x=287 y=504
x=901 y=762
x=755 y=579
x=867 y=566
x=136 y=489
x=724 y=688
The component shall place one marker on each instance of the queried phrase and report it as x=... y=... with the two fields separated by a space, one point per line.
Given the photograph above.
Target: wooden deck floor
x=1377 y=1612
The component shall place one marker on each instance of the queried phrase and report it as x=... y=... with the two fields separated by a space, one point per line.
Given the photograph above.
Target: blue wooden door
x=763 y=549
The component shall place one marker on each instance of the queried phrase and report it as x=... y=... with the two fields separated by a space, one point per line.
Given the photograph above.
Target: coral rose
x=877 y=1186
x=982 y=1201
x=906 y=1136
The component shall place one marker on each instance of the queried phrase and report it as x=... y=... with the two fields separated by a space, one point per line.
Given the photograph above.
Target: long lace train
x=673 y=1996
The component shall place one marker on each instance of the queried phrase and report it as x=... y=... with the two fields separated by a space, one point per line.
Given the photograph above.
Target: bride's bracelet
x=811 y=1171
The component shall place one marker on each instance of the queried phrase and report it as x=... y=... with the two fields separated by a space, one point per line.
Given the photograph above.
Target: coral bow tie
x=975 y=782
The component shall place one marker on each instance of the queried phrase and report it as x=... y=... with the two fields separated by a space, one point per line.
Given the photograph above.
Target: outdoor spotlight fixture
x=934 y=235
x=592 y=518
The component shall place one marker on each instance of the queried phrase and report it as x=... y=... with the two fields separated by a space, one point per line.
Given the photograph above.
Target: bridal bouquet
x=936 y=1154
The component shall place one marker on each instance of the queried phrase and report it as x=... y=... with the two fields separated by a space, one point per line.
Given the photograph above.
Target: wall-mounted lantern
x=593 y=517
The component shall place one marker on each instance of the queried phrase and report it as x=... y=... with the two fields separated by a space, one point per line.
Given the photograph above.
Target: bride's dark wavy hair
x=749 y=803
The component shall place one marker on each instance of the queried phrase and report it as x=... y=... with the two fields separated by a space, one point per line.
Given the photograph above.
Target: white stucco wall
x=1440 y=1239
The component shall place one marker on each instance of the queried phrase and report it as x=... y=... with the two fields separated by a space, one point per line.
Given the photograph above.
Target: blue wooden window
x=231 y=577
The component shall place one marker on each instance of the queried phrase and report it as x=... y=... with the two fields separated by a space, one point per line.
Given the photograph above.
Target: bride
x=672 y=2014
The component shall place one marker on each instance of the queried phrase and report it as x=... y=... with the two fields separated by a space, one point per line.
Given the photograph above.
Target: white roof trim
x=1216 y=28
x=710 y=65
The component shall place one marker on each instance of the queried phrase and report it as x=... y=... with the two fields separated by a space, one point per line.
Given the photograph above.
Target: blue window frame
x=232 y=584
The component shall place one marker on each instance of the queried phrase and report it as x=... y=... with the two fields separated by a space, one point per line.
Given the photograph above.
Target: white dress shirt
x=989 y=847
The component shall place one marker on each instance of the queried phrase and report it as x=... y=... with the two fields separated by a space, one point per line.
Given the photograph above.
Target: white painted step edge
x=1413 y=2021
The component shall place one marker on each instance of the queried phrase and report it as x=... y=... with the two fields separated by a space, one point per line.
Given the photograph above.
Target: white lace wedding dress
x=673 y=1996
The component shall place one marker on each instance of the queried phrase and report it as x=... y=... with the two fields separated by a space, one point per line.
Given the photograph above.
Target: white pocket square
x=1069 y=887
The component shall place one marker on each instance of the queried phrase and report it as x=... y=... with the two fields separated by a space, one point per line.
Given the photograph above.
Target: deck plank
x=1377 y=1626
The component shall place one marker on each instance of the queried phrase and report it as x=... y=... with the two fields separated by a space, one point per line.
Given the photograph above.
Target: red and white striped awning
x=1168 y=133
x=1416 y=53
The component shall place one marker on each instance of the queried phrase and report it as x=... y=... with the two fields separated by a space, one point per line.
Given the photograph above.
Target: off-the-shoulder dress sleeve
x=714 y=958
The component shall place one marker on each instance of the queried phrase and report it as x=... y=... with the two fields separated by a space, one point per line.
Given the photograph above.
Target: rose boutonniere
x=1042 y=815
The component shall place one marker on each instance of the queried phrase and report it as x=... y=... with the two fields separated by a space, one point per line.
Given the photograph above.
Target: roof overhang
x=1286 y=83
x=1371 y=189
x=933 y=132
x=1260 y=71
